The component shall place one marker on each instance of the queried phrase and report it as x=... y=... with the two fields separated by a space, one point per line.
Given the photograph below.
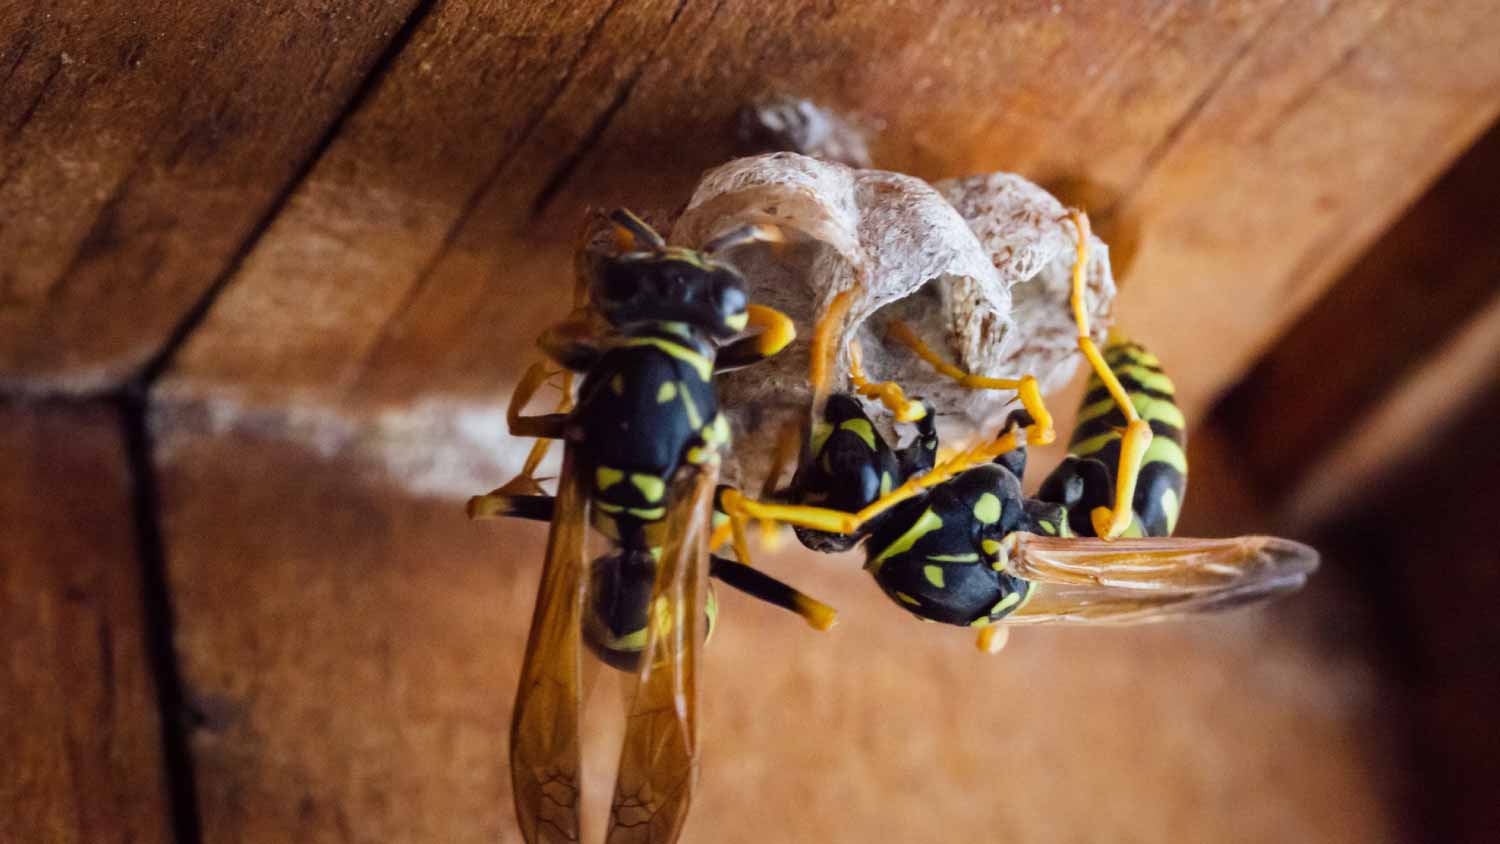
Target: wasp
x=956 y=541
x=652 y=324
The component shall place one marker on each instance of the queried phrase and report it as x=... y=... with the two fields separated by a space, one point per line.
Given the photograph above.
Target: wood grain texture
x=78 y=717
x=1421 y=409
x=355 y=651
x=1260 y=145
x=140 y=144
x=1402 y=304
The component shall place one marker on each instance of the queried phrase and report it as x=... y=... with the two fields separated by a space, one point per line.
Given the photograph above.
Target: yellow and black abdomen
x=1086 y=479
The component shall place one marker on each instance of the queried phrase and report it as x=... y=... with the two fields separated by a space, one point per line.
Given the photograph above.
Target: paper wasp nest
x=979 y=266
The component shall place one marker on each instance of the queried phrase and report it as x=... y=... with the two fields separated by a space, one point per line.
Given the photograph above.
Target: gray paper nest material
x=979 y=266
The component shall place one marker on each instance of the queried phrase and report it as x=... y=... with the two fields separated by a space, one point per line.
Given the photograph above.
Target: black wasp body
x=943 y=554
x=647 y=406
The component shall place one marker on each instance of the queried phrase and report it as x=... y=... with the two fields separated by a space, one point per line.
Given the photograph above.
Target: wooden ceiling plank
x=1316 y=143
x=413 y=261
x=79 y=722
x=140 y=146
x=355 y=650
x=1399 y=305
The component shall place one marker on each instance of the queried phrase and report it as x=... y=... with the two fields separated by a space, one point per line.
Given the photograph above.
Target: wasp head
x=648 y=281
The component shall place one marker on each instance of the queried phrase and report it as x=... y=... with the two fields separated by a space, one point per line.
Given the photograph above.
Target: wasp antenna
x=631 y=232
x=755 y=233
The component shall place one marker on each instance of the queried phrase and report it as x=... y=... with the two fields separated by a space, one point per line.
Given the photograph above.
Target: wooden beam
x=141 y=144
x=1361 y=351
x=1261 y=146
x=1419 y=413
x=78 y=713
x=355 y=651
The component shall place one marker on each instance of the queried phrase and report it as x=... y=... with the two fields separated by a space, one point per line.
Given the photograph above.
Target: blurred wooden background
x=268 y=271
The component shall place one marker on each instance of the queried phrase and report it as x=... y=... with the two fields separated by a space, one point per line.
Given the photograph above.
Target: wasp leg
x=889 y=393
x=1039 y=432
x=776 y=330
x=741 y=510
x=500 y=505
x=820 y=356
x=1109 y=523
x=788 y=441
x=546 y=426
x=919 y=457
x=1038 y=429
x=758 y=584
x=992 y=637
x=1015 y=460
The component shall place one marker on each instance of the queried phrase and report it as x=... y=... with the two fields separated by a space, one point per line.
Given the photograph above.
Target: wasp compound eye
x=619 y=283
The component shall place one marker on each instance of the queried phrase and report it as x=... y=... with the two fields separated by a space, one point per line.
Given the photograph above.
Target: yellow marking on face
x=697 y=455
x=1049 y=528
x=699 y=363
x=885 y=483
x=666 y=392
x=990 y=546
x=954 y=558
x=1005 y=603
x=860 y=428
x=608 y=507
x=1170 y=506
x=648 y=515
x=980 y=622
x=925 y=524
x=617 y=384
x=907 y=599
x=738 y=321
x=650 y=486
x=987 y=509
x=934 y=575
x=605 y=477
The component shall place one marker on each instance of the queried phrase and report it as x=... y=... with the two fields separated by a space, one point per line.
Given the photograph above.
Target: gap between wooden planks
x=79 y=722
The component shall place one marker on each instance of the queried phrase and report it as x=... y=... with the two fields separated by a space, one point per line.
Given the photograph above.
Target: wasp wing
x=545 y=756
x=659 y=758
x=1125 y=581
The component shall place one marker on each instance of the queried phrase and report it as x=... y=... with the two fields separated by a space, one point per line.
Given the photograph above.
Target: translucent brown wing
x=659 y=758
x=544 y=742
x=1124 y=581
